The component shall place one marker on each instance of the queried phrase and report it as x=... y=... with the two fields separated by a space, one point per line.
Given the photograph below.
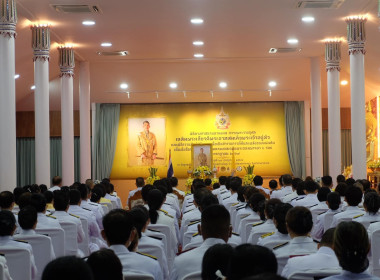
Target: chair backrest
x=272 y=244
x=193 y=276
x=57 y=236
x=2 y=276
x=160 y=236
x=108 y=204
x=316 y=212
x=314 y=274
x=42 y=248
x=119 y=201
x=375 y=252
x=114 y=204
x=155 y=251
x=187 y=237
x=254 y=236
x=84 y=245
x=105 y=209
x=18 y=262
x=328 y=220
x=246 y=227
x=71 y=238
x=137 y=276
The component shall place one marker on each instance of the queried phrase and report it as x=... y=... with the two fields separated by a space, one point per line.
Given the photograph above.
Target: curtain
x=346 y=152
x=295 y=137
x=26 y=160
x=106 y=128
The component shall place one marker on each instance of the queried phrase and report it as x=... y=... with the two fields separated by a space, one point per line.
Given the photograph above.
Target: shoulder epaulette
x=2 y=255
x=223 y=192
x=235 y=204
x=51 y=216
x=186 y=251
x=294 y=198
x=194 y=222
x=313 y=205
x=234 y=233
x=155 y=237
x=166 y=212
x=299 y=198
x=226 y=197
x=322 y=212
x=357 y=216
x=316 y=241
x=195 y=234
x=166 y=203
x=257 y=224
x=280 y=245
x=93 y=203
x=22 y=241
x=74 y=215
x=245 y=216
x=189 y=205
x=242 y=207
x=112 y=195
x=374 y=222
x=154 y=230
x=267 y=234
x=86 y=209
x=188 y=211
x=147 y=255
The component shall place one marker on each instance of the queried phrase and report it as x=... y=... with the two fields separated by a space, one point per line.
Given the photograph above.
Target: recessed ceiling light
x=198 y=43
x=293 y=41
x=17 y=76
x=272 y=84
x=106 y=44
x=33 y=87
x=198 y=55
x=308 y=19
x=123 y=86
x=173 y=85
x=88 y=22
x=196 y=21
x=344 y=83
x=223 y=84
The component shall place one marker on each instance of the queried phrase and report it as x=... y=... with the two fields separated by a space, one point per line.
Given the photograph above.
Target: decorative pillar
x=356 y=38
x=332 y=57
x=41 y=47
x=8 y=20
x=66 y=64
x=307 y=137
x=316 y=118
x=85 y=122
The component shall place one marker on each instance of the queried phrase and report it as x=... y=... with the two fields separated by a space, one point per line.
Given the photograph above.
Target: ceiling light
x=123 y=86
x=17 y=76
x=196 y=21
x=308 y=19
x=198 y=43
x=344 y=83
x=33 y=87
x=223 y=84
x=88 y=22
x=106 y=44
x=173 y=85
x=272 y=84
x=198 y=55
x=293 y=41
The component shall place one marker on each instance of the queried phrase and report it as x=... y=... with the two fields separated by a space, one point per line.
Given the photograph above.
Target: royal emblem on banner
x=222 y=120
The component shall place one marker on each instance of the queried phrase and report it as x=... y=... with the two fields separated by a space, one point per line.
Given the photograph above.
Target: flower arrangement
x=189 y=182
x=248 y=178
x=373 y=164
x=152 y=176
x=205 y=170
x=348 y=172
x=214 y=180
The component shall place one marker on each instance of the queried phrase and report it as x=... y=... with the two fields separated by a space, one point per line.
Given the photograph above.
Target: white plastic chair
x=328 y=220
x=84 y=245
x=71 y=238
x=18 y=262
x=108 y=204
x=42 y=248
x=193 y=276
x=160 y=236
x=57 y=236
x=157 y=252
x=246 y=226
x=314 y=274
x=316 y=212
x=375 y=253
x=2 y=276
x=254 y=237
x=105 y=209
x=137 y=276
x=187 y=237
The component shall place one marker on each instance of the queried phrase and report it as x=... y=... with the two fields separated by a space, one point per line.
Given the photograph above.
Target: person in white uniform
x=119 y=233
x=311 y=199
x=286 y=189
x=294 y=194
x=139 y=185
x=215 y=228
x=44 y=221
x=57 y=184
x=258 y=182
x=323 y=259
x=3 y=262
x=327 y=182
x=96 y=208
x=352 y=256
x=371 y=206
x=322 y=197
x=235 y=184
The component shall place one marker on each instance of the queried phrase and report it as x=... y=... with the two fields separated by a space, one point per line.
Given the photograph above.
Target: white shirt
x=6 y=275
x=230 y=200
x=346 y=275
x=191 y=261
x=113 y=198
x=266 y=227
x=135 y=262
x=350 y=212
x=319 y=226
x=44 y=221
x=62 y=216
x=54 y=188
x=324 y=258
x=132 y=192
x=197 y=240
x=97 y=210
x=320 y=206
x=281 y=193
x=308 y=201
x=273 y=238
x=372 y=228
x=289 y=197
x=368 y=218
x=267 y=191
x=31 y=232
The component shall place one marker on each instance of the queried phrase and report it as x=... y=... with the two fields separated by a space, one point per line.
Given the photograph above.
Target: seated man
x=311 y=198
x=286 y=189
x=119 y=233
x=136 y=193
x=38 y=201
x=215 y=228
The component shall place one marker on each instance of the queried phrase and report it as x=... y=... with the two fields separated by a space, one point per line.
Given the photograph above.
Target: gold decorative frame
x=193 y=164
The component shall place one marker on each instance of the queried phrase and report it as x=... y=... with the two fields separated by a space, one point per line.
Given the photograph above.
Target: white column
x=85 y=122
x=316 y=118
x=307 y=137
x=333 y=56
x=356 y=38
x=66 y=63
x=41 y=46
x=93 y=126
x=8 y=20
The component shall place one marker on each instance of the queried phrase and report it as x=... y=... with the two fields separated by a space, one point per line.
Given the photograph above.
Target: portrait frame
x=195 y=148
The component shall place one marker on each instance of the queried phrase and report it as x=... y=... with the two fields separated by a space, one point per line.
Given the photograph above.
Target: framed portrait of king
x=201 y=155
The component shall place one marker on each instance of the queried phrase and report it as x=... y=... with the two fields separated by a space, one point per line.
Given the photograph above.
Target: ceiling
x=158 y=36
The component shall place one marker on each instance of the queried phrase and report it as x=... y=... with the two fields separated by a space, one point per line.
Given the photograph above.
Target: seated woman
x=371 y=206
x=243 y=209
x=215 y=261
x=351 y=246
x=280 y=235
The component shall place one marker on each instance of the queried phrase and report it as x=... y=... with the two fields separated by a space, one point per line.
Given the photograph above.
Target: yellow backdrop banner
x=230 y=135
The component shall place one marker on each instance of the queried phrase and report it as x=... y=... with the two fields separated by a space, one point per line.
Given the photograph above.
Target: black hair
x=257 y=204
x=273 y=184
x=24 y=200
x=311 y=186
x=258 y=180
x=61 y=200
x=270 y=205
x=341 y=189
x=17 y=192
x=366 y=184
x=215 y=221
x=82 y=188
x=96 y=195
x=222 y=180
x=207 y=201
x=7 y=223
x=27 y=217
x=74 y=197
x=248 y=260
x=333 y=199
x=168 y=185
x=155 y=201
x=295 y=182
x=105 y=264
x=145 y=190
x=240 y=193
x=301 y=187
x=208 y=181
x=322 y=193
x=163 y=190
x=173 y=181
x=250 y=191
x=353 y=196
x=350 y=181
x=38 y=201
x=49 y=196
x=299 y=220
x=216 y=186
x=56 y=180
x=6 y=199
x=69 y=267
x=216 y=258
x=328 y=238
x=265 y=276
x=101 y=188
x=287 y=179
x=118 y=225
x=199 y=194
x=140 y=216
x=340 y=179
x=327 y=181
x=372 y=202
x=35 y=188
x=43 y=188
x=351 y=246
x=279 y=215
x=280 y=180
